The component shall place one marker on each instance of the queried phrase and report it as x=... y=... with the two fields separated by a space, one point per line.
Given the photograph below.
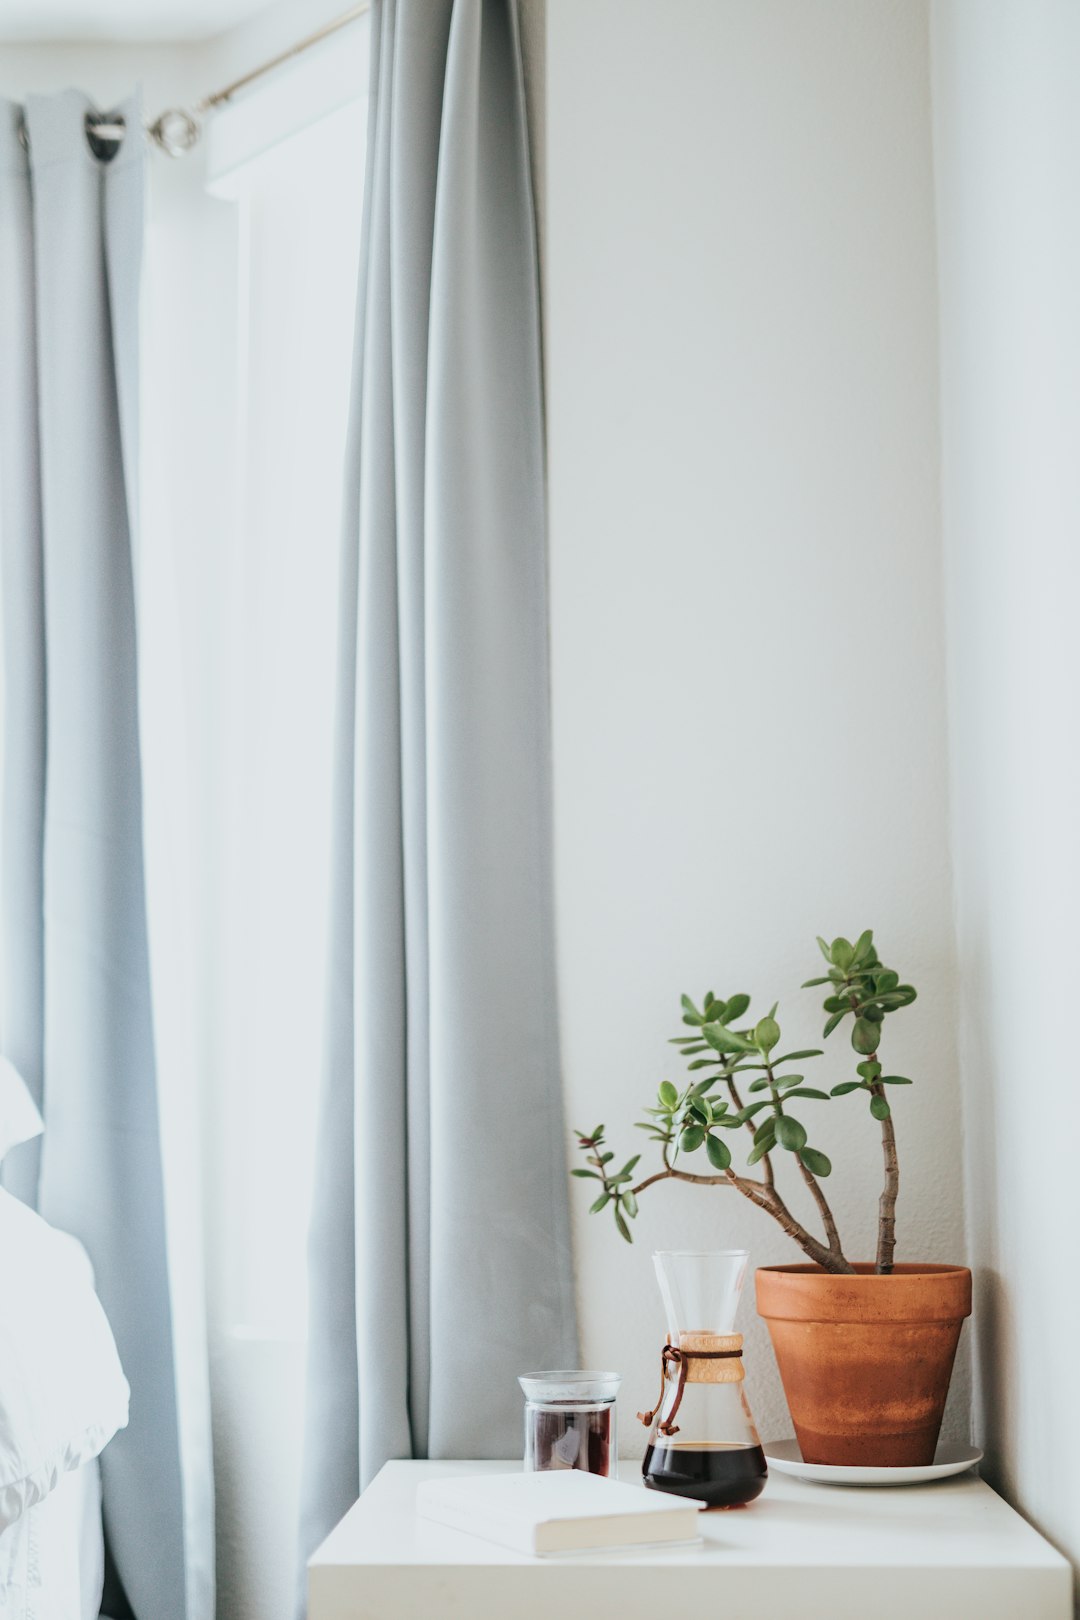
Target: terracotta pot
x=866 y=1360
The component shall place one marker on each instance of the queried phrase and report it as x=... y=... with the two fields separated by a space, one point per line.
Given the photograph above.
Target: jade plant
x=729 y=1058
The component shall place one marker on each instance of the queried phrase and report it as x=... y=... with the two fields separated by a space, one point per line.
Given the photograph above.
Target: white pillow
x=63 y=1394
x=19 y=1118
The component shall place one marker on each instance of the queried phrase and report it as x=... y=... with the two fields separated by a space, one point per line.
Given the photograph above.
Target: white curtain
x=76 y=991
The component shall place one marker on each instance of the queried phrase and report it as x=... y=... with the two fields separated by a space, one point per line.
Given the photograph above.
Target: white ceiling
x=121 y=20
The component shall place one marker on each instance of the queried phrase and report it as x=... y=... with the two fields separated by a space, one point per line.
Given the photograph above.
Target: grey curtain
x=76 y=974
x=440 y=1259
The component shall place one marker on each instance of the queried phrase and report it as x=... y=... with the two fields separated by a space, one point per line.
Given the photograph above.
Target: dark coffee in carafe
x=721 y=1473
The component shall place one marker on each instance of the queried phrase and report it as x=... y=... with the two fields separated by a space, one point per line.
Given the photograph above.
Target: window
x=248 y=367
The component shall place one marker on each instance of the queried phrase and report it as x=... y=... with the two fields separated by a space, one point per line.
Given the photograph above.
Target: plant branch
x=766 y=1198
x=822 y=1203
x=770 y=1201
x=831 y=1232
x=766 y=1163
x=671 y=1174
x=886 y=1243
x=889 y=1192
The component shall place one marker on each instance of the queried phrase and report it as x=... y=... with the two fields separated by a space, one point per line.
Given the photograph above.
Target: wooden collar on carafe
x=698 y=1358
x=711 y=1358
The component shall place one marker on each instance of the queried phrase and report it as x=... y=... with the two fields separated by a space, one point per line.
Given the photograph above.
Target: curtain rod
x=177 y=129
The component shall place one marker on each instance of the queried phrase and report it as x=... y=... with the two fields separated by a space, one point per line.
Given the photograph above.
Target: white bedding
x=63 y=1396
x=52 y=1557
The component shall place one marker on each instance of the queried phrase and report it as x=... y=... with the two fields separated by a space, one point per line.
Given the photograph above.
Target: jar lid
x=569 y=1384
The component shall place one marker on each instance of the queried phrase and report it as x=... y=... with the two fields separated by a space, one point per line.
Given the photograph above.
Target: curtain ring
x=175 y=131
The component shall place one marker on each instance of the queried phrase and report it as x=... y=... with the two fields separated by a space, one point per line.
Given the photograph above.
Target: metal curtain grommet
x=175 y=131
x=105 y=134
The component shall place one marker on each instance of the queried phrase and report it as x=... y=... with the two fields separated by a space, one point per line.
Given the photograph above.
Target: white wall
x=1007 y=137
x=746 y=620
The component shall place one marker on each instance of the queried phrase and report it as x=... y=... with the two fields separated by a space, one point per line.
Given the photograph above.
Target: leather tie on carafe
x=673 y=1356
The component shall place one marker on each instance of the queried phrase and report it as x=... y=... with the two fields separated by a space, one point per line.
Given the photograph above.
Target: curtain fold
x=440 y=1257
x=76 y=986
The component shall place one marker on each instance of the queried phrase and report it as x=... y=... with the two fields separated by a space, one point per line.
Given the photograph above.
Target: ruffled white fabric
x=63 y=1394
x=34 y=1487
x=52 y=1559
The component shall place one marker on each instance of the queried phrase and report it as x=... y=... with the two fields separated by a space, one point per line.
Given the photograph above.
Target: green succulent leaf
x=790 y=1134
x=759 y=1152
x=623 y=1229
x=629 y=1203
x=604 y=1198
x=691 y=1138
x=766 y=1034
x=735 y=1008
x=842 y=952
x=825 y=950
x=836 y=1018
x=808 y=1091
x=725 y=1040
x=587 y=1175
x=863 y=948
x=816 y=1162
x=869 y=1070
x=879 y=1108
x=797 y=1057
x=760 y=1084
x=669 y=1096
x=895 y=1080
x=764 y=1130
x=718 y=1151
x=845 y=1086
x=787 y=1080
x=750 y=1110
x=865 y=1036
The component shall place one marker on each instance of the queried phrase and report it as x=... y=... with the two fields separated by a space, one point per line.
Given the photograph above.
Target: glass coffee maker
x=702 y=1439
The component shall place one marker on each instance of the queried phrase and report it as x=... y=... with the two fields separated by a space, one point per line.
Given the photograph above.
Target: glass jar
x=570 y=1421
x=702 y=1440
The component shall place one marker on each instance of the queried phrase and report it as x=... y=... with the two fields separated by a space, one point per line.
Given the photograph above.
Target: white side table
x=951 y=1551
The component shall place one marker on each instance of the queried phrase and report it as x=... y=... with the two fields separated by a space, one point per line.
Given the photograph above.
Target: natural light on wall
x=246 y=386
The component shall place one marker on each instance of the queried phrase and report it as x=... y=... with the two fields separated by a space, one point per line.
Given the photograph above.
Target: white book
x=564 y=1510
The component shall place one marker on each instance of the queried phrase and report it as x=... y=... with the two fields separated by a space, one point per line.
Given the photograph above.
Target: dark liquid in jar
x=571 y=1438
x=724 y=1474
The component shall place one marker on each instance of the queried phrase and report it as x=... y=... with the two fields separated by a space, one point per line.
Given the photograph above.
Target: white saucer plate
x=951 y=1458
